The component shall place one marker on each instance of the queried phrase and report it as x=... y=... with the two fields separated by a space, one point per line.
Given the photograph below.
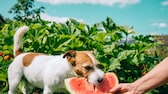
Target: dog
x=49 y=71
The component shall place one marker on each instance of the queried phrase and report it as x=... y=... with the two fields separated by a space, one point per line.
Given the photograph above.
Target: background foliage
x=118 y=48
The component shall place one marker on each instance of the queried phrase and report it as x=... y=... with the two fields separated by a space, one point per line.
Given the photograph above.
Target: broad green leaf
x=109 y=48
x=3 y=76
x=124 y=54
x=115 y=64
x=36 y=26
x=100 y=37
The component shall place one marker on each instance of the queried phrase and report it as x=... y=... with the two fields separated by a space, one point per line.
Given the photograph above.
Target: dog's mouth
x=80 y=75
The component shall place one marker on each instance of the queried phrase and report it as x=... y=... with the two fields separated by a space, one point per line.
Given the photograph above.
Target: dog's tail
x=18 y=40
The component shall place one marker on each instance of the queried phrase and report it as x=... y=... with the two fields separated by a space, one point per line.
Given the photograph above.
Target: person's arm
x=154 y=78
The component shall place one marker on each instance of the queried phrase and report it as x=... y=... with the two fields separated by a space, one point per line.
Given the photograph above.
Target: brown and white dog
x=47 y=71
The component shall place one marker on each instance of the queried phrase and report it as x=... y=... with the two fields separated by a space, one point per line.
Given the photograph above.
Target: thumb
x=121 y=88
x=115 y=89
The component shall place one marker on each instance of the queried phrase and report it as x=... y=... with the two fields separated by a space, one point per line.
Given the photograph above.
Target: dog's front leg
x=47 y=90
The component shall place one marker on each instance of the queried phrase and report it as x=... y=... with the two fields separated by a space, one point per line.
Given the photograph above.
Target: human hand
x=123 y=88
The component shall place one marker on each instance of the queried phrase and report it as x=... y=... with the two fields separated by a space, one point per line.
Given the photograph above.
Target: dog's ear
x=70 y=55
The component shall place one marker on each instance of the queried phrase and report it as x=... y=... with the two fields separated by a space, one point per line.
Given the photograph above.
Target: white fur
x=96 y=74
x=45 y=71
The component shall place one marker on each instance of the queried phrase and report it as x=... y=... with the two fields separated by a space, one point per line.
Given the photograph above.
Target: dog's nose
x=100 y=80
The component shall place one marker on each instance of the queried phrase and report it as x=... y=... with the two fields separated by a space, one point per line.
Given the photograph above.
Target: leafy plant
x=127 y=58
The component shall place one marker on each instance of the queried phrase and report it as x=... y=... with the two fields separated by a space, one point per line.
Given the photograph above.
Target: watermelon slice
x=81 y=86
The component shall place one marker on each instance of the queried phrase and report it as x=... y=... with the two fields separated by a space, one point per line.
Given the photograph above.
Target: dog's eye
x=88 y=67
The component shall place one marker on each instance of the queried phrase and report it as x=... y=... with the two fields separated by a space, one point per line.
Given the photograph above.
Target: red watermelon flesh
x=80 y=85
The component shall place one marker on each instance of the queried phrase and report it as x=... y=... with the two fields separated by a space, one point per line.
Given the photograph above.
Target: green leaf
x=124 y=54
x=101 y=37
x=115 y=64
x=109 y=48
x=44 y=40
x=3 y=76
x=36 y=26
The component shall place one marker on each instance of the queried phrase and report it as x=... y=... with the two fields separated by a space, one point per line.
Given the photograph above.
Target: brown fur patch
x=27 y=59
x=83 y=59
x=81 y=62
x=19 y=51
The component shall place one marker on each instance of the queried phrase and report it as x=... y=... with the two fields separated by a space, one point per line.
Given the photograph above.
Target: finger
x=121 y=88
x=115 y=89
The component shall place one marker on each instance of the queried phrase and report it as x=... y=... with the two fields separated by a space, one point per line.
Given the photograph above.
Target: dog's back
x=47 y=71
x=37 y=68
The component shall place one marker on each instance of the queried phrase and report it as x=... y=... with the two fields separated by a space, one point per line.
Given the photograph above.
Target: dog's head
x=84 y=64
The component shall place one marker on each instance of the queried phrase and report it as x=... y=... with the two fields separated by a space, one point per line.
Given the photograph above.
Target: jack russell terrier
x=47 y=71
